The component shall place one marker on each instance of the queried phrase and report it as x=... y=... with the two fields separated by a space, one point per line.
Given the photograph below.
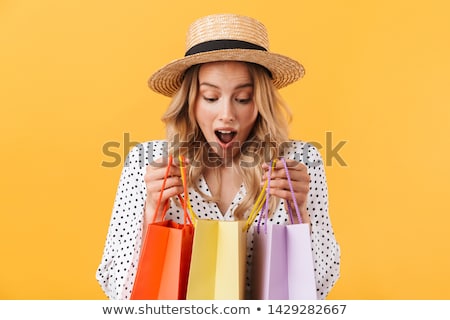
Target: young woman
x=228 y=120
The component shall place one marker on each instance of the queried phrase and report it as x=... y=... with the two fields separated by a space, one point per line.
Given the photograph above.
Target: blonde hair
x=266 y=141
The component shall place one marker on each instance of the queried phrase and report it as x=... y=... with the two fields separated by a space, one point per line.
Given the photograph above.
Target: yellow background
x=73 y=78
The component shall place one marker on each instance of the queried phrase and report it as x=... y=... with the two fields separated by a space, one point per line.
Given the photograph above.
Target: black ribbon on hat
x=214 y=45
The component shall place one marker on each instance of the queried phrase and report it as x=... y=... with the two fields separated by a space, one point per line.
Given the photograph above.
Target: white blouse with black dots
x=118 y=266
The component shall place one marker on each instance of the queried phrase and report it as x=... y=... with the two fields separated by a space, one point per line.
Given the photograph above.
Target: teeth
x=224 y=131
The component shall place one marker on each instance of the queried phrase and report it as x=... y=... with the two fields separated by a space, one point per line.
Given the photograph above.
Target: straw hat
x=226 y=37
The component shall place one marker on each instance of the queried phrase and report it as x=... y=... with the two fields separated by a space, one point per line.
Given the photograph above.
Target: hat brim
x=284 y=70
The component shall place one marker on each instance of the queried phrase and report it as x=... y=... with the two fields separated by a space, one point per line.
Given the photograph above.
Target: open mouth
x=225 y=136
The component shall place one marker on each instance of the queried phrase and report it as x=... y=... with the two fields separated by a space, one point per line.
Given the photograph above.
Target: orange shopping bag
x=163 y=267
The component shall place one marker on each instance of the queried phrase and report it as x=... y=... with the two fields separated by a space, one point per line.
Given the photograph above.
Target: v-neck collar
x=228 y=215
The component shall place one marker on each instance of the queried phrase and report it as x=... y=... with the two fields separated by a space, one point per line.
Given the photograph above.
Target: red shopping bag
x=163 y=267
x=283 y=267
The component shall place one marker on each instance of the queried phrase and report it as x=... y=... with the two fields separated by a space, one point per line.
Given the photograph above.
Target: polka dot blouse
x=117 y=270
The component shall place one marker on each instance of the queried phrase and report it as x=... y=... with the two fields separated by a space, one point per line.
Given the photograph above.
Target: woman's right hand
x=154 y=179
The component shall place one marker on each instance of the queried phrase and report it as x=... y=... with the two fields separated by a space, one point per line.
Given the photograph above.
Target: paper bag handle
x=186 y=203
x=186 y=194
x=259 y=204
x=297 y=211
x=289 y=208
x=262 y=203
x=158 y=204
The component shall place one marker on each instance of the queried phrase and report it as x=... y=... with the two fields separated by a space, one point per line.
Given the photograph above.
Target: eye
x=244 y=101
x=209 y=99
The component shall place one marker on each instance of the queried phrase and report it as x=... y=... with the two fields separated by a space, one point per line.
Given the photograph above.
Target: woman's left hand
x=279 y=185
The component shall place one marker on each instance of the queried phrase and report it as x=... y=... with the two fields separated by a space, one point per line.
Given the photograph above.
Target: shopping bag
x=282 y=267
x=218 y=261
x=163 y=266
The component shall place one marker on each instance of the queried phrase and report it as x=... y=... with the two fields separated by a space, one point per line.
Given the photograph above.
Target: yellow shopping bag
x=218 y=261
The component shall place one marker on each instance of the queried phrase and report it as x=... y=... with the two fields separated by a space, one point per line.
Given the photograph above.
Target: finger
x=155 y=173
x=178 y=163
x=166 y=194
x=300 y=197
x=283 y=184
x=294 y=175
x=292 y=164
x=152 y=208
x=161 y=162
x=266 y=167
x=157 y=185
x=157 y=168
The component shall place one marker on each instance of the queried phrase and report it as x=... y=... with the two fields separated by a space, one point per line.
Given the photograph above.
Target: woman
x=228 y=120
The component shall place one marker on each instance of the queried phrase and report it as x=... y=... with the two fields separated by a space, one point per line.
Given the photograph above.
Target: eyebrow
x=244 y=85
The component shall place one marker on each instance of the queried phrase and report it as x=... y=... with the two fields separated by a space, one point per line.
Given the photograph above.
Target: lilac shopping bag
x=282 y=267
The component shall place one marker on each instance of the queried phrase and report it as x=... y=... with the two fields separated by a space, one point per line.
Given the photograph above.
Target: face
x=224 y=107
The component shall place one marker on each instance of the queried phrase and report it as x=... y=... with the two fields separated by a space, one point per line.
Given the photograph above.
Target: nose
x=227 y=112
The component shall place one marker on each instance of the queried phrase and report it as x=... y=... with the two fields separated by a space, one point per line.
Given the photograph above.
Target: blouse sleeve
x=326 y=250
x=117 y=269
